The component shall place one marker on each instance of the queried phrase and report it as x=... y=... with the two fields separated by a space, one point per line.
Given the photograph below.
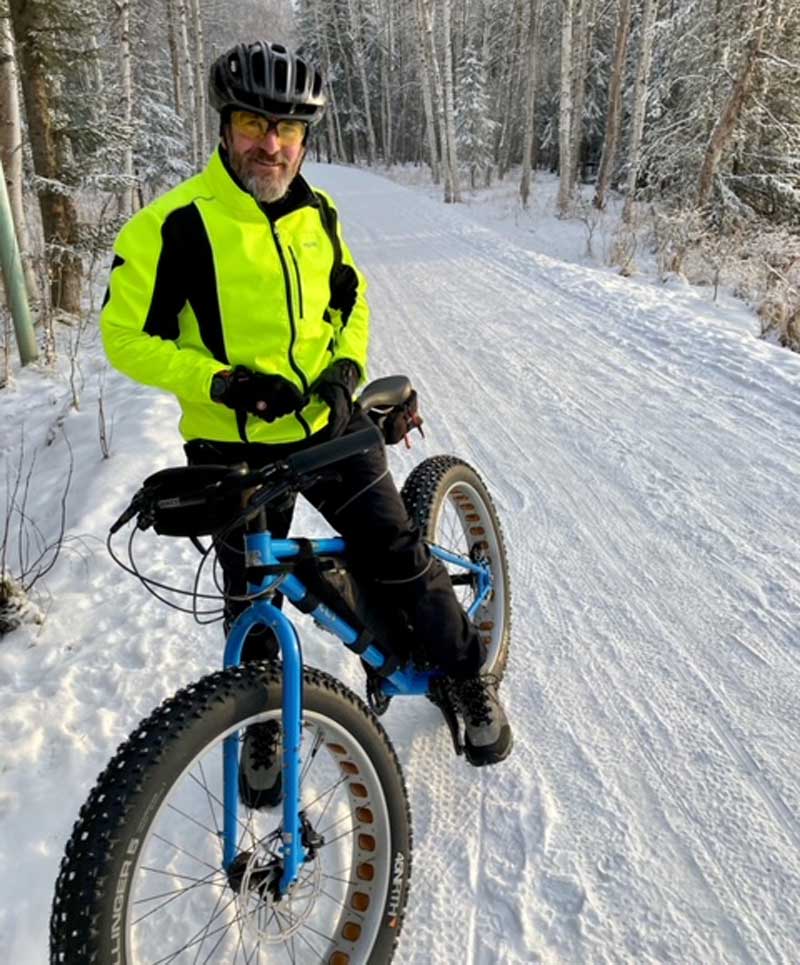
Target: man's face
x=265 y=153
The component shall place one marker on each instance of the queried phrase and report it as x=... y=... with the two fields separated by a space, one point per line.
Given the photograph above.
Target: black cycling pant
x=384 y=551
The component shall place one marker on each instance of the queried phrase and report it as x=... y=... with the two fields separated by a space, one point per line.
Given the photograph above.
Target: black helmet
x=267 y=78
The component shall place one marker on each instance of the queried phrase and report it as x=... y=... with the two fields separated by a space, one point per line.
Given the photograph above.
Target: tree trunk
x=426 y=71
x=530 y=101
x=732 y=109
x=11 y=156
x=126 y=197
x=641 y=88
x=565 y=110
x=449 y=102
x=201 y=104
x=387 y=76
x=332 y=124
x=581 y=45
x=59 y=217
x=447 y=168
x=174 y=56
x=186 y=57
x=360 y=57
x=614 y=112
x=351 y=99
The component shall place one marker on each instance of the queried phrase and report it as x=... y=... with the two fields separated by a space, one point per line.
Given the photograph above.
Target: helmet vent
x=281 y=78
x=259 y=68
x=279 y=48
x=300 y=77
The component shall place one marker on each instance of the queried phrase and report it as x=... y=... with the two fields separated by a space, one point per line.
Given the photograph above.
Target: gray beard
x=267 y=192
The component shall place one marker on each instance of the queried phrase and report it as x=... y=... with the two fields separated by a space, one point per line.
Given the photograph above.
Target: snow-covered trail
x=644 y=461
x=643 y=455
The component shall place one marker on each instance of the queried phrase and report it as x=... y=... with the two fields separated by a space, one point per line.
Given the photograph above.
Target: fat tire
x=122 y=804
x=424 y=493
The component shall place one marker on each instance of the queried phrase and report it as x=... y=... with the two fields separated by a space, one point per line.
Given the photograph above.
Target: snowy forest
x=687 y=110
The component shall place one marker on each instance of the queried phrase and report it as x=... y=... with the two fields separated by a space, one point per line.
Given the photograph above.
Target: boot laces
x=263 y=743
x=476 y=698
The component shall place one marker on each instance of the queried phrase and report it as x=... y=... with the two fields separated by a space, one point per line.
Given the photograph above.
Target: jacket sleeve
x=139 y=320
x=348 y=308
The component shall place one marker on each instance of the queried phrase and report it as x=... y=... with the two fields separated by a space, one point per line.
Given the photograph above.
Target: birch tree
x=449 y=101
x=358 y=50
x=534 y=25
x=565 y=110
x=426 y=78
x=640 y=92
x=200 y=102
x=126 y=78
x=174 y=55
x=185 y=55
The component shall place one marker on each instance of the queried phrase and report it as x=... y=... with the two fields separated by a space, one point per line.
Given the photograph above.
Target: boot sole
x=260 y=800
x=484 y=758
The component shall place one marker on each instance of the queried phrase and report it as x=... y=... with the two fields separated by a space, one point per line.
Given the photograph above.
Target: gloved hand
x=267 y=396
x=335 y=387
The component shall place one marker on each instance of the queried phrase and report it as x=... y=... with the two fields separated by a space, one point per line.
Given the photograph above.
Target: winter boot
x=260 y=778
x=488 y=738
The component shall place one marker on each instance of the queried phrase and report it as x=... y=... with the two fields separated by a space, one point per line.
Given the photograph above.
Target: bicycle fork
x=293 y=849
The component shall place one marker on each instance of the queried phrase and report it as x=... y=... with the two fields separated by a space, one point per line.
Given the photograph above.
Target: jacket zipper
x=299 y=284
x=288 y=287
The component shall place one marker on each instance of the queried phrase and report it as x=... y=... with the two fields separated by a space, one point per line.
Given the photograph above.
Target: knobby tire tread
x=422 y=492
x=83 y=882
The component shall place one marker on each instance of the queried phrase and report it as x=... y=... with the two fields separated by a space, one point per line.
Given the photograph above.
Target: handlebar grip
x=328 y=453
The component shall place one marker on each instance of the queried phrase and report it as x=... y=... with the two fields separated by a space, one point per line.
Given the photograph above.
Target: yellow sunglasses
x=255 y=126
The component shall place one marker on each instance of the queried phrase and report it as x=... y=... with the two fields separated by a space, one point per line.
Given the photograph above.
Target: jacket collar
x=228 y=188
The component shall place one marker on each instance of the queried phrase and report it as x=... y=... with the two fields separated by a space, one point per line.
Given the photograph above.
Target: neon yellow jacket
x=203 y=279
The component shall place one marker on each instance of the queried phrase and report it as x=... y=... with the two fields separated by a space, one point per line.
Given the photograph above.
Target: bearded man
x=237 y=292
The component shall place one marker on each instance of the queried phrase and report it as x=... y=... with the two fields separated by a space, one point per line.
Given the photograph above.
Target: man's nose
x=271 y=142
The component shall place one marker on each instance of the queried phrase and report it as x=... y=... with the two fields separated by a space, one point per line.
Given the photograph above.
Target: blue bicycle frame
x=262 y=550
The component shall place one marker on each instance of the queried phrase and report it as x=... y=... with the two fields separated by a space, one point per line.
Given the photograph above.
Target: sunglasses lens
x=290 y=132
x=256 y=127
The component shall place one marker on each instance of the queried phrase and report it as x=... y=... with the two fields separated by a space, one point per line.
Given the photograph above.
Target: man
x=236 y=292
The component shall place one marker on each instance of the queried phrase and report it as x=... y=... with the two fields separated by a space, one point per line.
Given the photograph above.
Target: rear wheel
x=142 y=882
x=450 y=503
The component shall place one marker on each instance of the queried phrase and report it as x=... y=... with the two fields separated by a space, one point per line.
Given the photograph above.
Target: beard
x=265 y=184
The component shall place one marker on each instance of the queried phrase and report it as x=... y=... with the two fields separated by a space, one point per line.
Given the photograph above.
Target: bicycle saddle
x=386 y=393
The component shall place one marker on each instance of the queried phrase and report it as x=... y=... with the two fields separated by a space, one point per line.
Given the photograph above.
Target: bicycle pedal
x=377 y=699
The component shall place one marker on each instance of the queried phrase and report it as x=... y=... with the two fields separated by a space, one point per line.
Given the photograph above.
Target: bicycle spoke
x=319 y=739
x=174 y=874
x=175 y=893
x=187 y=853
x=328 y=791
x=302 y=936
x=200 y=936
x=219 y=940
x=213 y=797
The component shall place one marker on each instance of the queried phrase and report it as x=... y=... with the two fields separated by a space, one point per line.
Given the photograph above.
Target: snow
x=642 y=447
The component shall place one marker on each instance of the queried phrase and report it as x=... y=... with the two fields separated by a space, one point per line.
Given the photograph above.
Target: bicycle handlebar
x=328 y=453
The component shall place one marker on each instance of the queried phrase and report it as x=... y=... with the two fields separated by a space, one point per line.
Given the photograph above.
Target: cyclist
x=236 y=292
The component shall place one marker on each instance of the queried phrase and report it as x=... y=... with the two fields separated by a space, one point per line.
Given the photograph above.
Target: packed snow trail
x=643 y=454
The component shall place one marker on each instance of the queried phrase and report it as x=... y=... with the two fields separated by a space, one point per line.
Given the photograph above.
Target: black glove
x=335 y=387
x=267 y=396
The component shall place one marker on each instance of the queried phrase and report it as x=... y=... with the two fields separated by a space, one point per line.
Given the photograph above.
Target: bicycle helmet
x=269 y=79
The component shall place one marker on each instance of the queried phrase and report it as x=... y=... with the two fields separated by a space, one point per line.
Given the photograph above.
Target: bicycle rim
x=464 y=525
x=181 y=906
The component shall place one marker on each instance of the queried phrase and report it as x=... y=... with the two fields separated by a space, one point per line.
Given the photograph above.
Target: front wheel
x=142 y=881
x=449 y=502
